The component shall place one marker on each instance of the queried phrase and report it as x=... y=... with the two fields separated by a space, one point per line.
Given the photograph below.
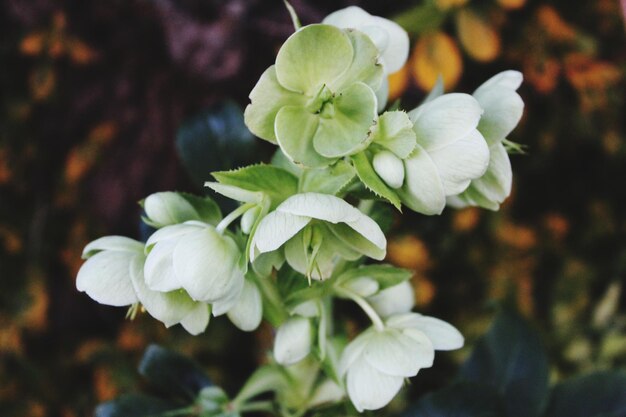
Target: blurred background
x=96 y=98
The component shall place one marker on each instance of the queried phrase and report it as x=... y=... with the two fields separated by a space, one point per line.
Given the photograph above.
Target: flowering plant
x=305 y=236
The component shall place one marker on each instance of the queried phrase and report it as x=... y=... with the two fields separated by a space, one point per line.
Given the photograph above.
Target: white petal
x=370 y=230
x=503 y=111
x=445 y=119
x=370 y=389
x=394 y=300
x=389 y=168
x=362 y=286
x=423 y=190
x=427 y=356
x=320 y=206
x=393 y=353
x=105 y=278
x=206 y=263
x=248 y=311
x=167 y=307
x=443 y=335
x=506 y=79
x=461 y=161
x=167 y=208
x=275 y=229
x=396 y=53
x=112 y=243
x=197 y=321
x=223 y=305
x=159 y=268
x=353 y=351
x=495 y=185
x=293 y=341
x=349 y=17
x=307 y=309
x=173 y=231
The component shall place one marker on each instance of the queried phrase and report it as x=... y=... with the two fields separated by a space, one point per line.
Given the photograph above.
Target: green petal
x=266 y=99
x=347 y=131
x=365 y=66
x=313 y=56
x=394 y=131
x=295 y=130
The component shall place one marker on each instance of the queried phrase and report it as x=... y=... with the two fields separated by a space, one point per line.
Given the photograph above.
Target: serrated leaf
x=172 y=373
x=511 y=358
x=386 y=275
x=134 y=405
x=216 y=139
x=276 y=183
x=458 y=400
x=329 y=180
x=601 y=394
x=372 y=181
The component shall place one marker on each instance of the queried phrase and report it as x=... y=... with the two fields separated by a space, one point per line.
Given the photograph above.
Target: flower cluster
x=322 y=103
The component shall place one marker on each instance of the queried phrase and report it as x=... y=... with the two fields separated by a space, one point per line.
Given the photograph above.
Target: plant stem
x=232 y=216
x=256 y=406
x=365 y=306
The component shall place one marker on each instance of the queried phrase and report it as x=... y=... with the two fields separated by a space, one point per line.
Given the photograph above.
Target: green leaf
x=268 y=180
x=422 y=18
x=330 y=180
x=601 y=394
x=386 y=275
x=214 y=140
x=511 y=358
x=346 y=130
x=372 y=181
x=134 y=405
x=394 y=131
x=313 y=56
x=458 y=400
x=172 y=373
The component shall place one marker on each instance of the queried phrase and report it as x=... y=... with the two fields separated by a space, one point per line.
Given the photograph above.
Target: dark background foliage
x=94 y=94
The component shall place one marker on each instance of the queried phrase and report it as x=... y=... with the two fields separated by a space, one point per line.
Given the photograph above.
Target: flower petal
x=206 y=263
x=423 y=190
x=275 y=229
x=159 y=267
x=396 y=53
x=349 y=17
x=353 y=351
x=293 y=341
x=197 y=321
x=443 y=335
x=506 y=79
x=320 y=206
x=364 y=67
x=173 y=232
x=394 y=300
x=167 y=307
x=166 y=208
x=461 y=161
x=266 y=99
x=248 y=311
x=445 y=119
x=393 y=353
x=105 y=278
x=503 y=111
x=313 y=56
x=346 y=132
x=112 y=243
x=370 y=389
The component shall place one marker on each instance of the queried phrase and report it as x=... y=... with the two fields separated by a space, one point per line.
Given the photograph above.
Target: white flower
x=377 y=361
x=113 y=274
x=336 y=230
x=391 y=40
x=394 y=300
x=167 y=208
x=450 y=152
x=293 y=340
x=247 y=312
x=194 y=256
x=503 y=110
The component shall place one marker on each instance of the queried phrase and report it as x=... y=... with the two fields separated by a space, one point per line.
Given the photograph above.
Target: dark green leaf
x=172 y=373
x=512 y=359
x=602 y=394
x=459 y=400
x=132 y=405
x=215 y=140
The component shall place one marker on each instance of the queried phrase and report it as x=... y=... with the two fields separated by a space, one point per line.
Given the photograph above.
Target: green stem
x=232 y=216
x=365 y=306
x=178 y=412
x=256 y=406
